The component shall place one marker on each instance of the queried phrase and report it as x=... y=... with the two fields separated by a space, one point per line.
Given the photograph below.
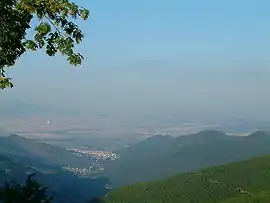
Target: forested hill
x=162 y=156
x=242 y=182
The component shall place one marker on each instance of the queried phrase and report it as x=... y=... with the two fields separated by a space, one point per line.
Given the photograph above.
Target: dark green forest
x=160 y=157
x=246 y=181
x=240 y=182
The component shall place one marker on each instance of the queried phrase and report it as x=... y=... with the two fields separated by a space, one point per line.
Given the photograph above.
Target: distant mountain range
x=159 y=157
x=242 y=182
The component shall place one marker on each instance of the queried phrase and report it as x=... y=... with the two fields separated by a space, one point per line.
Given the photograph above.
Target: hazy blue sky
x=196 y=55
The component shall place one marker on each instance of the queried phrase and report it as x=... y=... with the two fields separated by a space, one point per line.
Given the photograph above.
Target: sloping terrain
x=49 y=154
x=63 y=186
x=20 y=156
x=242 y=182
x=162 y=156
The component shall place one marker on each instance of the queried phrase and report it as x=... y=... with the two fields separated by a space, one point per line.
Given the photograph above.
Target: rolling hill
x=63 y=186
x=162 y=156
x=241 y=182
x=20 y=156
x=37 y=151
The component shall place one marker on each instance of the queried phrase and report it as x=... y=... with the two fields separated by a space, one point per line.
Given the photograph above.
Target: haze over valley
x=167 y=102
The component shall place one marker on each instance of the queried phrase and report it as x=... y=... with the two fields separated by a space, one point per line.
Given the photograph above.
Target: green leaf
x=56 y=31
x=30 y=44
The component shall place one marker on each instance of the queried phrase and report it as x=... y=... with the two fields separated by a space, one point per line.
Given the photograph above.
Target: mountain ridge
x=159 y=157
x=52 y=155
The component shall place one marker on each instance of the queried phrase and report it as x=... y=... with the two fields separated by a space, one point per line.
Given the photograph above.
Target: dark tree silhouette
x=29 y=192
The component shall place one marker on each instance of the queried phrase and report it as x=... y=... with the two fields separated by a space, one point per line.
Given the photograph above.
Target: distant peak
x=15 y=136
x=158 y=136
x=210 y=133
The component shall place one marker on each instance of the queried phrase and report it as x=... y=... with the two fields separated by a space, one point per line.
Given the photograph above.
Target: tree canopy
x=30 y=192
x=56 y=31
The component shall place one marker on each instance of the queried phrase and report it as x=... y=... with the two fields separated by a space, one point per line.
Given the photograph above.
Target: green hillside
x=159 y=157
x=242 y=182
x=257 y=197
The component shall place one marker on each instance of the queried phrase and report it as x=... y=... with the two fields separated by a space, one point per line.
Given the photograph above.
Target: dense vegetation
x=246 y=181
x=56 y=31
x=31 y=192
x=162 y=156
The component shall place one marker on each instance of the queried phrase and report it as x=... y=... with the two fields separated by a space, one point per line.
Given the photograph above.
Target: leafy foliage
x=56 y=30
x=30 y=192
x=246 y=181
